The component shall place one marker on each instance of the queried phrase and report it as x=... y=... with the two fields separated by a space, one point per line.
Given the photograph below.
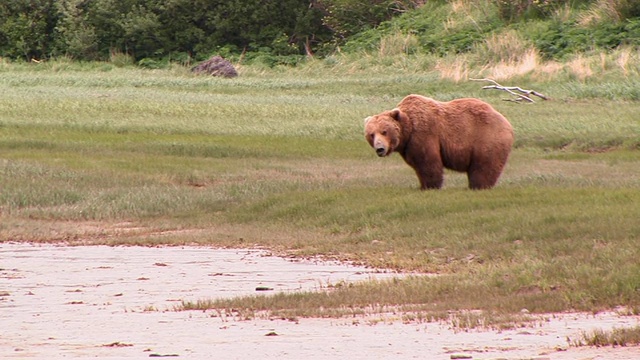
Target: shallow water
x=117 y=302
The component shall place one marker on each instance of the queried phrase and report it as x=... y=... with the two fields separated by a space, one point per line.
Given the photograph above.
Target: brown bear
x=466 y=135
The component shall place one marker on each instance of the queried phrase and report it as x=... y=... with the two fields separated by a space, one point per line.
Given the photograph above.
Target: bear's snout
x=381 y=146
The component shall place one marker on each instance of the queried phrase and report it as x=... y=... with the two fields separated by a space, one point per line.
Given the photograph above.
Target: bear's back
x=459 y=118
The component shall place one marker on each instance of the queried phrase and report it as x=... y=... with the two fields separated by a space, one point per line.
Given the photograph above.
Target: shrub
x=513 y=10
x=557 y=40
x=120 y=59
x=148 y=63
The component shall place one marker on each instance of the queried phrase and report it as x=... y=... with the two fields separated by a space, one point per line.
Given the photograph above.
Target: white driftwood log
x=526 y=94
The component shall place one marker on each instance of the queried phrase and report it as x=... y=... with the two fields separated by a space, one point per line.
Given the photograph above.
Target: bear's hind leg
x=483 y=176
x=485 y=169
x=480 y=181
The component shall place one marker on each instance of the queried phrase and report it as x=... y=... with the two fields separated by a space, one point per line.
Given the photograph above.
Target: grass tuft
x=616 y=337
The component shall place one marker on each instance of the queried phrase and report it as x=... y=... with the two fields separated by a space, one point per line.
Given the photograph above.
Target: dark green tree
x=348 y=17
x=128 y=26
x=27 y=28
x=77 y=38
x=94 y=29
x=186 y=25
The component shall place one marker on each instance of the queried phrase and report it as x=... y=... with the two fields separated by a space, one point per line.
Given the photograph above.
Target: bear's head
x=384 y=131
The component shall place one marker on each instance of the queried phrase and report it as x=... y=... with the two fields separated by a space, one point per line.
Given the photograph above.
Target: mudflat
x=120 y=302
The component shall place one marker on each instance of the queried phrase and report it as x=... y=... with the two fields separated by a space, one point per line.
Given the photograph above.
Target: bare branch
x=512 y=90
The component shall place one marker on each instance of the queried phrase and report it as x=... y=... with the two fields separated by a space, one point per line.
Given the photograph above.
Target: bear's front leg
x=430 y=179
x=429 y=169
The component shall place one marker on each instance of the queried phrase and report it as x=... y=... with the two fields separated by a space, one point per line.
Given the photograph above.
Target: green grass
x=616 y=337
x=98 y=154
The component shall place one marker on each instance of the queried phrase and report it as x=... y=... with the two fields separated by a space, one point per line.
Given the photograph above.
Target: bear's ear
x=396 y=114
x=366 y=120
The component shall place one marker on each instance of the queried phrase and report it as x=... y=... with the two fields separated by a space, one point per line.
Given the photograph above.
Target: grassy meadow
x=96 y=153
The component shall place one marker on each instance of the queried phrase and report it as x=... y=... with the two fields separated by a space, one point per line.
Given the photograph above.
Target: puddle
x=94 y=301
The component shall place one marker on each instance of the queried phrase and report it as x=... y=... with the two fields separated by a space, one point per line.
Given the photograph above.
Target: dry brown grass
x=398 y=44
x=602 y=11
x=527 y=63
x=623 y=60
x=456 y=69
x=580 y=67
x=507 y=46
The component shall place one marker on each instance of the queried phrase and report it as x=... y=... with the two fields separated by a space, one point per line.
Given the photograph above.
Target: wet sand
x=117 y=302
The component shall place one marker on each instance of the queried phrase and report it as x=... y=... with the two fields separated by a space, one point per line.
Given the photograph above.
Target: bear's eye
x=384 y=132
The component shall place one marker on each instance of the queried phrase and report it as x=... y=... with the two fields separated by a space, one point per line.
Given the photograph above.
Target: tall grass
x=616 y=337
x=104 y=154
x=606 y=11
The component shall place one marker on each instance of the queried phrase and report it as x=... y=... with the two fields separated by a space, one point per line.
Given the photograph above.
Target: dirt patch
x=117 y=302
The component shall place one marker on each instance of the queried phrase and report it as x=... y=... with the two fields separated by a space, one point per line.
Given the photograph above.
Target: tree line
x=284 y=31
x=160 y=29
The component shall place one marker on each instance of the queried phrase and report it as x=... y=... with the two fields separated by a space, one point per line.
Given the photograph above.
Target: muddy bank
x=117 y=302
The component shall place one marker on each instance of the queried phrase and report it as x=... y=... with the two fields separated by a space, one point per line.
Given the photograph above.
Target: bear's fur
x=466 y=135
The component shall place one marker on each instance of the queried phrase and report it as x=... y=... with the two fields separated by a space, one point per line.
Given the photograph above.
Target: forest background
x=154 y=33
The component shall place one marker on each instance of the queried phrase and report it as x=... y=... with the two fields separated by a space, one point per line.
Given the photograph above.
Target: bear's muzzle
x=381 y=151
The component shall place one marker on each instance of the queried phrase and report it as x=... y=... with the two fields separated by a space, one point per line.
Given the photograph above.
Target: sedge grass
x=616 y=337
x=275 y=159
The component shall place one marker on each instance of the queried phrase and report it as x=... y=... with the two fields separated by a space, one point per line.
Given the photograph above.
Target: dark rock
x=216 y=66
